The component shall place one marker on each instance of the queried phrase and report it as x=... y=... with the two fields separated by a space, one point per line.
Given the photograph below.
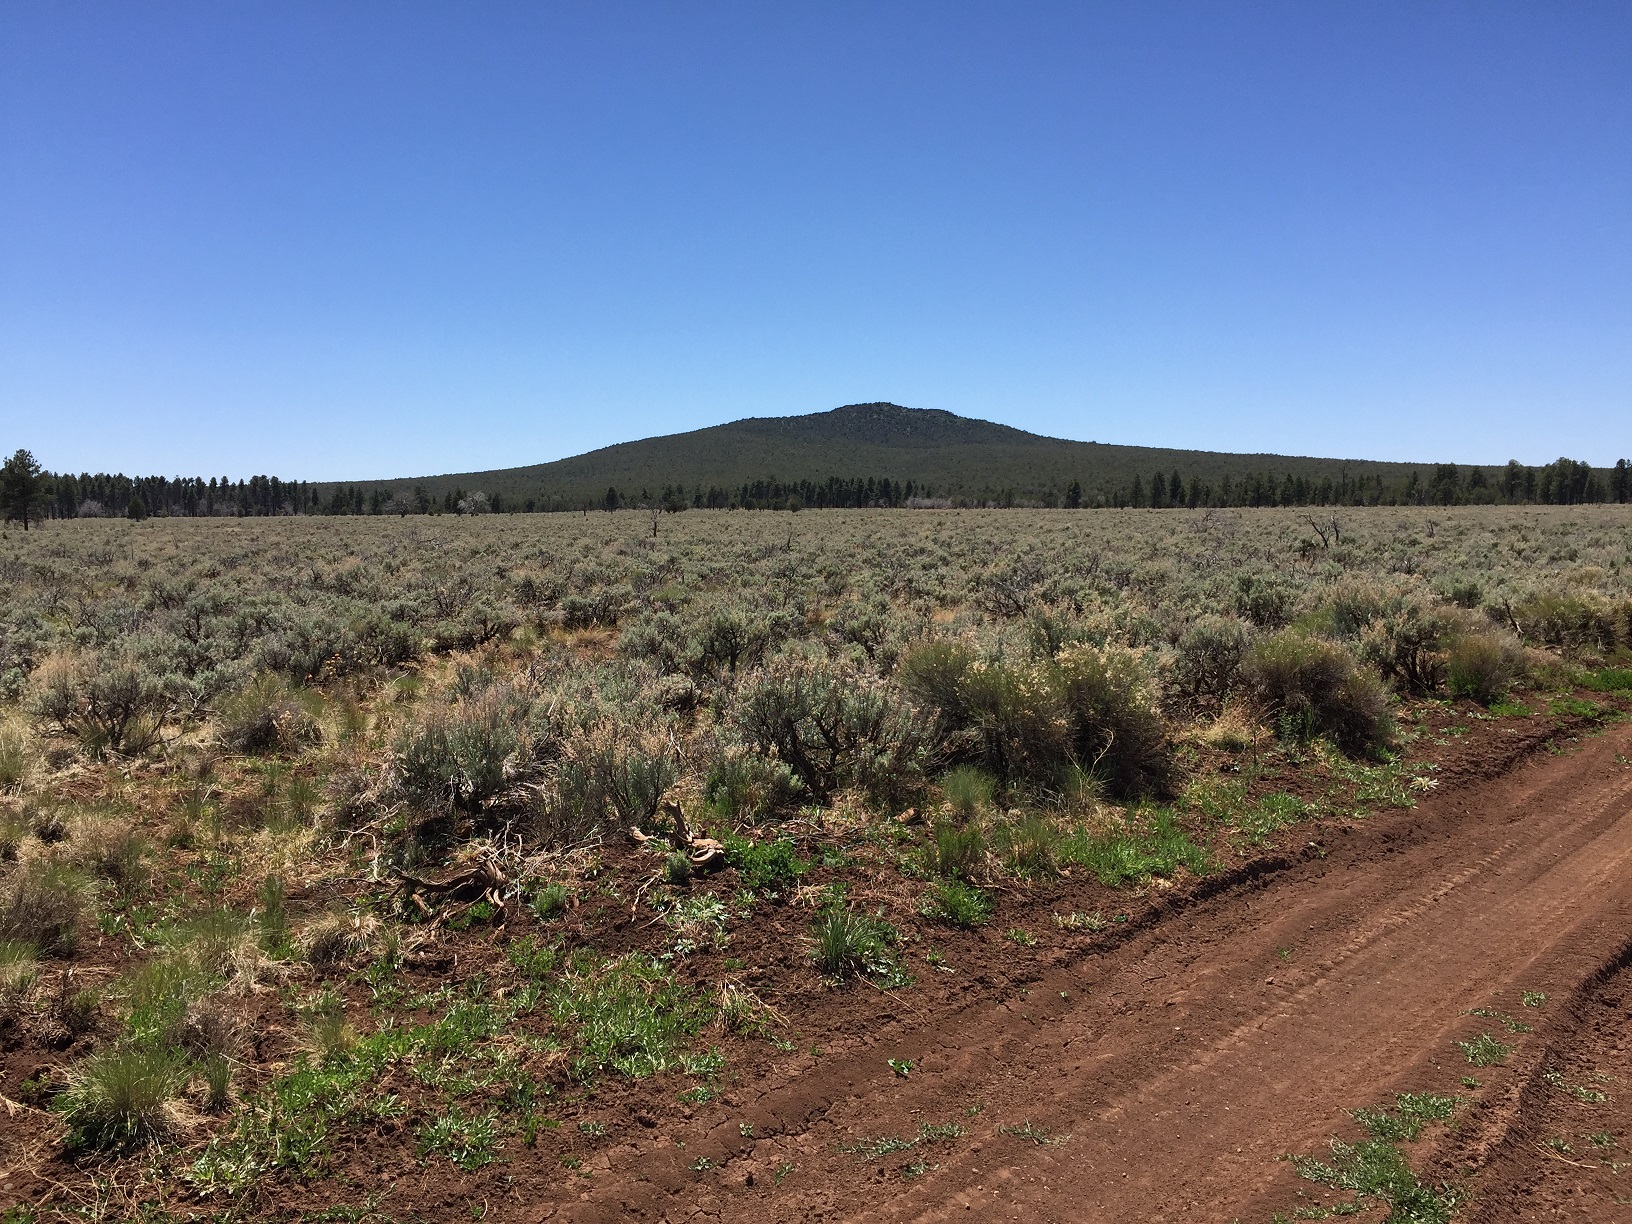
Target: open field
x=835 y=865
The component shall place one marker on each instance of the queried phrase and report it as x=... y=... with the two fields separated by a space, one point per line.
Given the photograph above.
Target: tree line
x=28 y=493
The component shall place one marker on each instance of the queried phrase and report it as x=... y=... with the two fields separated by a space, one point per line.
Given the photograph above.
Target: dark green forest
x=861 y=455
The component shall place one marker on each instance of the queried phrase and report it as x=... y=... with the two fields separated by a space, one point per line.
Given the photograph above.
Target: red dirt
x=1172 y=1058
x=1184 y=1062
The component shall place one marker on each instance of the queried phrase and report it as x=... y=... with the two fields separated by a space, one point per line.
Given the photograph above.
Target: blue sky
x=368 y=240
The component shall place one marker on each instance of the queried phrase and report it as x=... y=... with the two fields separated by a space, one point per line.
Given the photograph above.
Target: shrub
x=42 y=905
x=112 y=703
x=467 y=756
x=1314 y=685
x=1569 y=622
x=746 y=786
x=121 y=1098
x=1405 y=644
x=1209 y=658
x=1483 y=667
x=1116 y=729
x=1090 y=709
x=834 y=727
x=957 y=903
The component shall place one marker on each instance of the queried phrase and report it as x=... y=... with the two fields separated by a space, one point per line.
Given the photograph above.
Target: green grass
x=471 y=1143
x=629 y=1015
x=1153 y=845
x=1574 y=707
x=1609 y=680
x=851 y=943
x=1377 y=1169
x=770 y=868
x=1271 y=814
x=957 y=903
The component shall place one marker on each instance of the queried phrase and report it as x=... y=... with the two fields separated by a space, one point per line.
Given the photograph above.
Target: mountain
x=944 y=456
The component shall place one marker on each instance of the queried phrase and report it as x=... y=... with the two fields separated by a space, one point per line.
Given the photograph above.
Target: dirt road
x=1163 y=1077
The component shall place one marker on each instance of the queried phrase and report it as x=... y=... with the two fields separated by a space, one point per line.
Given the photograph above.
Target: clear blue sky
x=374 y=239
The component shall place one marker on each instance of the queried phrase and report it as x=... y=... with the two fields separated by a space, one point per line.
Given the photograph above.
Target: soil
x=1166 y=1075
x=1157 y=1069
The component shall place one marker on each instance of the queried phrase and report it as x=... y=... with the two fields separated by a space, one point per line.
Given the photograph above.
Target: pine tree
x=22 y=487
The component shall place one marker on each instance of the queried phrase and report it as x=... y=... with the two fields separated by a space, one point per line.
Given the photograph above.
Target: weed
x=1377 y=1169
x=1031 y=1132
x=273 y=916
x=471 y=1143
x=782 y=1171
x=1078 y=921
x=1411 y=1111
x=1022 y=937
x=769 y=868
x=968 y=791
x=957 y=851
x=1587 y=1096
x=901 y=1066
x=677 y=869
x=43 y=904
x=549 y=901
x=1534 y=998
x=1484 y=1050
x=1508 y=1022
x=955 y=902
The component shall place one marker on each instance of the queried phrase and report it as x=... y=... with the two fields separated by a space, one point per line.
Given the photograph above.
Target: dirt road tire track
x=1183 y=1062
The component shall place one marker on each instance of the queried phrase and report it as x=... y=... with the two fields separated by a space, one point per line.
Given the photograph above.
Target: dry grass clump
x=14 y=759
x=1234 y=730
x=43 y=904
x=335 y=936
x=268 y=714
x=111 y=849
x=122 y=1098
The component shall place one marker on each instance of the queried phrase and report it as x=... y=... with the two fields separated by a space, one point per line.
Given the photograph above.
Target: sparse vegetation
x=315 y=837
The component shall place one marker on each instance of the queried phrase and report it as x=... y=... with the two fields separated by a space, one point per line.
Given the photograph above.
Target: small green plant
x=471 y=1143
x=901 y=1066
x=769 y=868
x=1533 y=998
x=957 y=903
x=848 y=942
x=1484 y=1050
x=548 y=902
x=677 y=869
x=1022 y=937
